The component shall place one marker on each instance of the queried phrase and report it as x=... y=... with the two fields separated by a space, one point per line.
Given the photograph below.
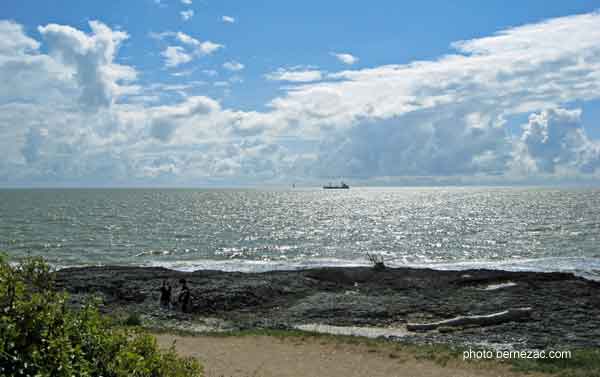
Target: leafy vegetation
x=133 y=319
x=41 y=336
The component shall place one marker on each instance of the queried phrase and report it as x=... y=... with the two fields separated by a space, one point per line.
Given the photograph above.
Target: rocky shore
x=566 y=308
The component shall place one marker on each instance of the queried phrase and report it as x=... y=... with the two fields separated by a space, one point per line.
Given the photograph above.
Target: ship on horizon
x=330 y=186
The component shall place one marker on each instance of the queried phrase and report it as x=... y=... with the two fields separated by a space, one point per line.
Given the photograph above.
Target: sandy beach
x=266 y=356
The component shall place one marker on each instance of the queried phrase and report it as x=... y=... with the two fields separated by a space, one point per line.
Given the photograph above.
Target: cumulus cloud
x=554 y=141
x=91 y=57
x=345 y=58
x=14 y=40
x=420 y=143
x=186 y=2
x=233 y=66
x=34 y=140
x=295 y=75
x=228 y=19
x=446 y=117
x=469 y=94
x=166 y=119
x=27 y=75
x=187 y=15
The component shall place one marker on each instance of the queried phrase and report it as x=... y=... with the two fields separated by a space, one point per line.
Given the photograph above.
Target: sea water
x=538 y=229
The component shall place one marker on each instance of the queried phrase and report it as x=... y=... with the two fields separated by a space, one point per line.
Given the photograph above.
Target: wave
x=588 y=268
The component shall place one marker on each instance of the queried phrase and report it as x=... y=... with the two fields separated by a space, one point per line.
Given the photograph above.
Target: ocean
x=539 y=229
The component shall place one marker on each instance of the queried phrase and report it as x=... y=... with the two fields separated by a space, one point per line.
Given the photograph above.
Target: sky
x=219 y=93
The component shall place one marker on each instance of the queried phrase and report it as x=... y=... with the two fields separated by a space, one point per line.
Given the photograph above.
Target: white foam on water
x=252 y=265
x=585 y=267
x=588 y=268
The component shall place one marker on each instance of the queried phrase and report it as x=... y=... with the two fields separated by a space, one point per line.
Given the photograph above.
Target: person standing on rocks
x=165 y=295
x=184 y=297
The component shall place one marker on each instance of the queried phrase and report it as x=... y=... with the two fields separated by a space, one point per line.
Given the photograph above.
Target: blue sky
x=247 y=92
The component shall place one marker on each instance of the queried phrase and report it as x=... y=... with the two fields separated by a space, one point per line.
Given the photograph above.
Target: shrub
x=41 y=336
x=133 y=319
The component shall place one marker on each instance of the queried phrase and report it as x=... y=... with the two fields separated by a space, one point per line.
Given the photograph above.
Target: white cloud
x=345 y=58
x=499 y=81
x=183 y=73
x=187 y=15
x=92 y=58
x=184 y=38
x=233 y=66
x=209 y=47
x=555 y=141
x=228 y=19
x=445 y=117
x=294 y=75
x=186 y=2
x=236 y=79
x=202 y=48
x=34 y=140
x=210 y=72
x=166 y=119
x=175 y=87
x=175 y=55
x=14 y=40
x=64 y=103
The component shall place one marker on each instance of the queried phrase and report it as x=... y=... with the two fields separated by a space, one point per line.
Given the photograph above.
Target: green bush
x=133 y=319
x=41 y=336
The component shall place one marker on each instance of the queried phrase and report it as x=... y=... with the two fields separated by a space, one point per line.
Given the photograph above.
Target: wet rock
x=566 y=309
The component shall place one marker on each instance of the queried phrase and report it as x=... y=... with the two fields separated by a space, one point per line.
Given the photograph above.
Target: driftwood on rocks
x=480 y=320
x=378 y=262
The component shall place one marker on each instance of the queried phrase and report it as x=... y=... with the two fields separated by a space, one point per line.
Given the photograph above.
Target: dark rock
x=566 y=309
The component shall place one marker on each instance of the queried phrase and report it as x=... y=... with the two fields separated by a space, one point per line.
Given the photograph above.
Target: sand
x=265 y=356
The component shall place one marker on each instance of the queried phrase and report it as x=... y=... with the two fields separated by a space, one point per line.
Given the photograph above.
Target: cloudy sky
x=203 y=92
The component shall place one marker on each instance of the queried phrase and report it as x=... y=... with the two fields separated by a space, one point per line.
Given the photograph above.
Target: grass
x=583 y=363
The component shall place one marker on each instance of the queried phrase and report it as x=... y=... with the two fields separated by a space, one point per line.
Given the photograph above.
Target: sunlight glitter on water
x=511 y=228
